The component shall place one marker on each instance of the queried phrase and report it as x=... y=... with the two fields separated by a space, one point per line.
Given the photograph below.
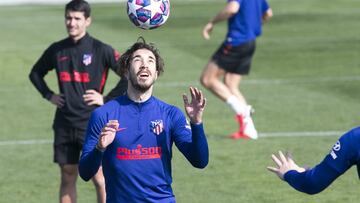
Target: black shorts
x=235 y=59
x=68 y=144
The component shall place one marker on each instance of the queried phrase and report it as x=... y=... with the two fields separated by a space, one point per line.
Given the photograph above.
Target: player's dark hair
x=140 y=44
x=80 y=6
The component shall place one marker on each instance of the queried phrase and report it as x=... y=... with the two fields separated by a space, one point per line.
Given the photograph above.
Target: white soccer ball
x=148 y=14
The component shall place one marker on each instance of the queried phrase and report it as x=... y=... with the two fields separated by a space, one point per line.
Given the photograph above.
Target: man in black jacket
x=81 y=63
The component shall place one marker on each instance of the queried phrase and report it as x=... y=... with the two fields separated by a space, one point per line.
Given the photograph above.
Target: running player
x=233 y=58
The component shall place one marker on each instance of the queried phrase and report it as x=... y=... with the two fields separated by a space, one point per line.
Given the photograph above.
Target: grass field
x=305 y=80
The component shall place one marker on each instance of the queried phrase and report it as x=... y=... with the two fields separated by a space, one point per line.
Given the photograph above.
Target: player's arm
x=312 y=181
x=267 y=15
x=37 y=74
x=309 y=181
x=91 y=156
x=194 y=146
x=121 y=87
x=231 y=8
x=198 y=151
x=267 y=11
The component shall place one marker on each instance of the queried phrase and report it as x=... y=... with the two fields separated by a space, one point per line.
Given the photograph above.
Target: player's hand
x=107 y=134
x=92 y=97
x=58 y=100
x=284 y=163
x=195 y=108
x=207 y=30
x=268 y=14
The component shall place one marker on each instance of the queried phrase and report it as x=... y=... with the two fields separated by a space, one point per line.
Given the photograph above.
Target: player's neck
x=76 y=39
x=138 y=96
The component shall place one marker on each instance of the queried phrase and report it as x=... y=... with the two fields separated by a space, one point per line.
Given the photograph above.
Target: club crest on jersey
x=87 y=59
x=157 y=126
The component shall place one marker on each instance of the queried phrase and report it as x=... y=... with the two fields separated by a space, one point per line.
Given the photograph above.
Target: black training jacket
x=79 y=67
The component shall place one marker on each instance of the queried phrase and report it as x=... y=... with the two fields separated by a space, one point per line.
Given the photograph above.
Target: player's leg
x=69 y=173
x=66 y=154
x=99 y=183
x=232 y=82
x=246 y=126
x=224 y=61
x=210 y=79
x=238 y=64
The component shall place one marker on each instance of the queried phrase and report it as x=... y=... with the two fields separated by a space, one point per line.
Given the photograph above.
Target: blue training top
x=245 y=25
x=344 y=154
x=137 y=165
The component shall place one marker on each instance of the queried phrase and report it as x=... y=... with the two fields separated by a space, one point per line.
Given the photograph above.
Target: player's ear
x=126 y=74
x=88 y=21
x=157 y=74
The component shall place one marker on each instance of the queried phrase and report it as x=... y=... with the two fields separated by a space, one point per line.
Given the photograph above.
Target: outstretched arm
x=310 y=181
x=284 y=163
x=343 y=155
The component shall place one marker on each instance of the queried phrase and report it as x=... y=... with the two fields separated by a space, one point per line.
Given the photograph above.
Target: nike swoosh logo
x=63 y=58
x=120 y=129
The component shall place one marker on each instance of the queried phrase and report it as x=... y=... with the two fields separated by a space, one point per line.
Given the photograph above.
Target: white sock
x=237 y=106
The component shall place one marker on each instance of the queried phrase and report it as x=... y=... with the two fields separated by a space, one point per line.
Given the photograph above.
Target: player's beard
x=141 y=87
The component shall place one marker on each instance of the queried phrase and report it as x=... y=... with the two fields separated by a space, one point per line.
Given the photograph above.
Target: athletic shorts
x=68 y=144
x=235 y=59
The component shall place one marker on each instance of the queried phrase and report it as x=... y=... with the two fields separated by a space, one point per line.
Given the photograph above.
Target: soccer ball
x=148 y=14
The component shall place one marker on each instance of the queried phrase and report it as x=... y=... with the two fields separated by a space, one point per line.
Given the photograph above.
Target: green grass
x=305 y=78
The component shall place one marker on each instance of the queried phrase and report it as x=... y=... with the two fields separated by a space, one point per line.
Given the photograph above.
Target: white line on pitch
x=272 y=81
x=270 y=134
x=301 y=134
x=24 y=142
